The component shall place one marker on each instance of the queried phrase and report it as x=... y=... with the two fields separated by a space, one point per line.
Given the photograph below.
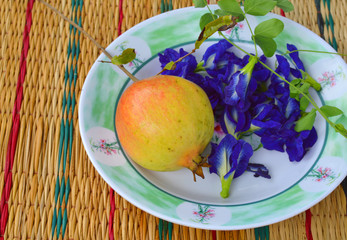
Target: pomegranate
x=164 y=123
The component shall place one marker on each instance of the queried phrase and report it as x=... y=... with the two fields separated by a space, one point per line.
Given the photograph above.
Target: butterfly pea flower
x=296 y=73
x=241 y=93
x=260 y=77
x=218 y=60
x=225 y=65
x=279 y=112
x=296 y=144
x=184 y=68
x=261 y=111
x=299 y=70
x=229 y=159
x=275 y=136
x=283 y=67
x=214 y=91
x=260 y=73
x=229 y=72
x=241 y=86
x=167 y=56
x=295 y=56
x=278 y=86
x=235 y=122
x=259 y=170
x=299 y=66
x=264 y=118
x=274 y=122
x=275 y=116
x=284 y=108
x=231 y=97
x=299 y=144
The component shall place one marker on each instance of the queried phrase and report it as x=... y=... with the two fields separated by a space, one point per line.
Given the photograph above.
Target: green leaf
x=259 y=7
x=220 y=24
x=231 y=6
x=221 y=13
x=307 y=78
x=269 y=28
x=200 y=3
x=170 y=66
x=200 y=67
x=304 y=87
x=126 y=57
x=304 y=102
x=294 y=92
x=294 y=95
x=341 y=129
x=285 y=5
x=206 y=18
x=268 y=45
x=295 y=81
x=331 y=111
x=306 y=122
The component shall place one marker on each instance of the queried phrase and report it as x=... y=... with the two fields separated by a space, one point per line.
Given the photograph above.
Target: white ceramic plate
x=173 y=196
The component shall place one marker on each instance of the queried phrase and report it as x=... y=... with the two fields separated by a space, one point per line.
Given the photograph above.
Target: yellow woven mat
x=34 y=210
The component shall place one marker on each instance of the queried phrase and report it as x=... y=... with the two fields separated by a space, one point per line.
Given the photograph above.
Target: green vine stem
x=250 y=29
x=314 y=51
x=235 y=45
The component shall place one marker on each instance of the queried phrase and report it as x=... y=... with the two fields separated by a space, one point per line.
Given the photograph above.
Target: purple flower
x=241 y=86
x=296 y=72
x=244 y=88
x=259 y=170
x=184 y=68
x=275 y=122
x=298 y=145
x=277 y=86
x=229 y=160
x=231 y=97
x=218 y=60
x=214 y=90
x=295 y=56
x=260 y=73
x=234 y=121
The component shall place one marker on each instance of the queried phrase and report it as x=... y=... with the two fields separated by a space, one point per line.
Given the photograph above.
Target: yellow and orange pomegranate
x=164 y=123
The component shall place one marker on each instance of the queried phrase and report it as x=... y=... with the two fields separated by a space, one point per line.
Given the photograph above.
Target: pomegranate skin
x=164 y=123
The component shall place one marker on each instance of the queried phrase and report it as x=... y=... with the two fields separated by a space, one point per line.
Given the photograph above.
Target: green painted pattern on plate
x=159 y=35
x=337 y=144
x=102 y=95
x=293 y=198
x=295 y=37
x=127 y=178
